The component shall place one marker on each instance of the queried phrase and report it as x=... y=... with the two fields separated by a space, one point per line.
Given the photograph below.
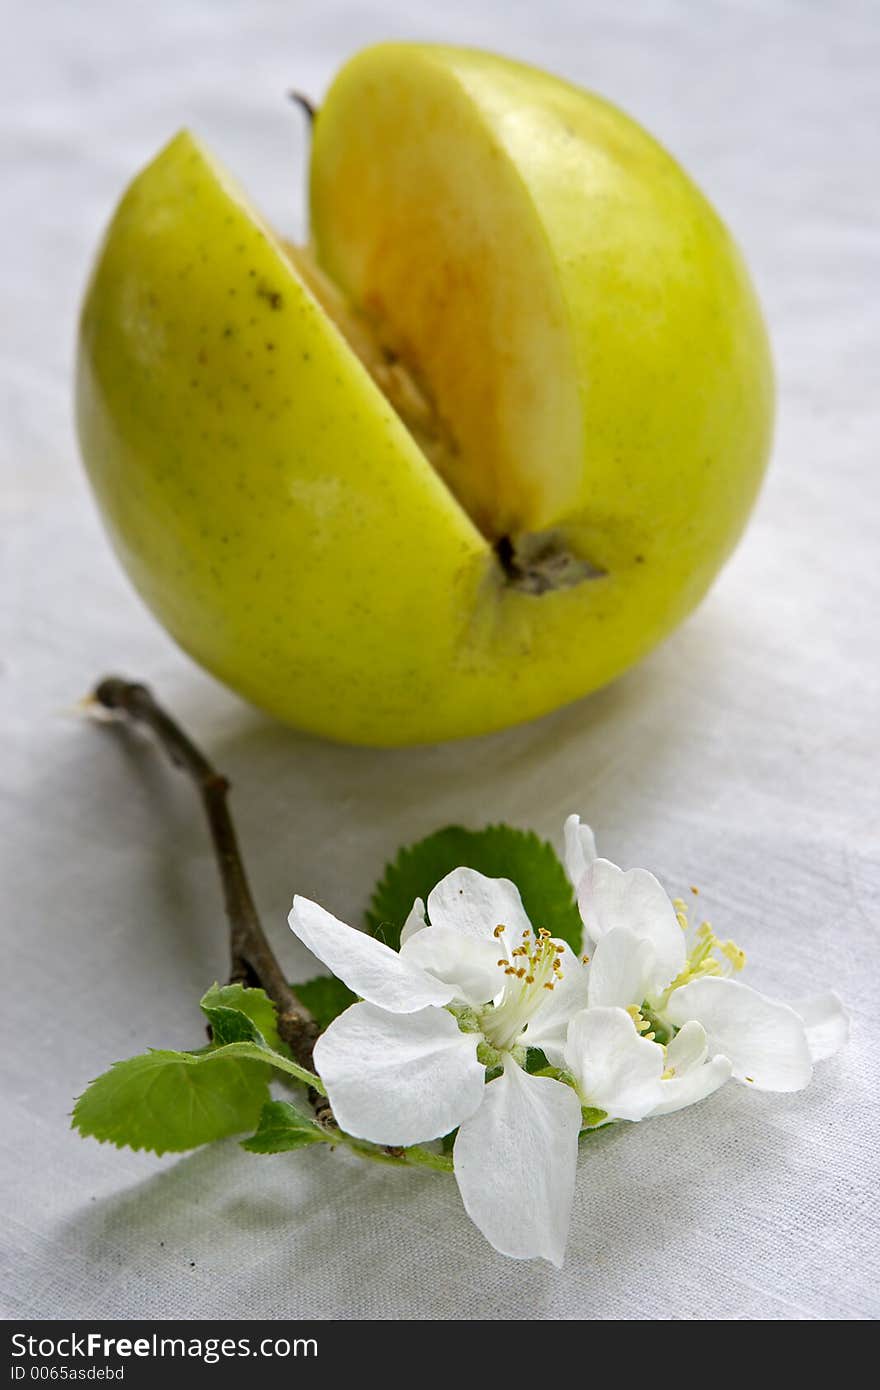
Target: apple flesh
x=467 y=456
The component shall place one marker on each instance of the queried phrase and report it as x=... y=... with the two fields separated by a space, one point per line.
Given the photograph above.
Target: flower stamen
x=708 y=955
x=640 y=1022
x=535 y=964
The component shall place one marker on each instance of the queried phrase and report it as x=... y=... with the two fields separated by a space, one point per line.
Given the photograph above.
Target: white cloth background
x=741 y=756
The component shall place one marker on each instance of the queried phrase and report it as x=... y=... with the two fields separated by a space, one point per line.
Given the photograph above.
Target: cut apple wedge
x=465 y=457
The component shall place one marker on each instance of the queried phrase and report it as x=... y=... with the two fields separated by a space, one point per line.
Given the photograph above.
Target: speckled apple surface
x=585 y=325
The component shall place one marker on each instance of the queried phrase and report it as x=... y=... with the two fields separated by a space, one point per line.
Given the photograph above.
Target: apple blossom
x=473 y=988
x=655 y=959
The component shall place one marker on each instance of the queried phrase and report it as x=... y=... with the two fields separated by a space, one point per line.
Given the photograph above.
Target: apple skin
x=279 y=520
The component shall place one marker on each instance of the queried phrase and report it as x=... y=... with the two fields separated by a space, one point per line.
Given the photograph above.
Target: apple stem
x=306 y=104
x=253 y=962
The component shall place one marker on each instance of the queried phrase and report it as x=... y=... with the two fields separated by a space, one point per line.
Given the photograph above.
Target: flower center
x=708 y=954
x=529 y=972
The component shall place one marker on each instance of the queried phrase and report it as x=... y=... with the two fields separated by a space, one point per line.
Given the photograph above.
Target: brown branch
x=252 y=960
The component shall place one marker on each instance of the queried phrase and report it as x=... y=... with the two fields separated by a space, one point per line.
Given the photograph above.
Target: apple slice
x=468 y=455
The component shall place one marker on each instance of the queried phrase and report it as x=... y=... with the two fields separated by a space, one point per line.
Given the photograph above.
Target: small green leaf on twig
x=173 y=1101
x=255 y=1004
x=282 y=1128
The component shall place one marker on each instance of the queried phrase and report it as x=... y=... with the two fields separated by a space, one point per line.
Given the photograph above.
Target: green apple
x=469 y=454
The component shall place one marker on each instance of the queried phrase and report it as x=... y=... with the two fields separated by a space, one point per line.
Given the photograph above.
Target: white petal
x=827 y=1024
x=468 y=966
x=515 y=1163
x=399 y=1078
x=765 y=1040
x=609 y=898
x=580 y=849
x=366 y=965
x=620 y=969
x=616 y=1070
x=694 y=1085
x=688 y=1048
x=415 y=922
x=468 y=902
x=548 y=1028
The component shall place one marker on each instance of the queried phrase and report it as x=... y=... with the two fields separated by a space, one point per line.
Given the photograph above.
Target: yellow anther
x=520 y=972
x=530 y=979
x=559 y=950
x=751 y=1078
x=510 y=970
x=585 y=960
x=679 y=904
x=668 y=1074
x=707 y=957
x=695 y=891
x=735 y=954
x=501 y=962
x=549 y=984
x=641 y=1024
x=499 y=929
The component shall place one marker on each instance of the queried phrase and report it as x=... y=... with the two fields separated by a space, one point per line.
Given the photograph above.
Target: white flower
x=670 y=973
x=630 y=1077
x=476 y=987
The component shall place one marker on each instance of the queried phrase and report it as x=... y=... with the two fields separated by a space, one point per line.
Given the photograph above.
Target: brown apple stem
x=306 y=104
x=252 y=960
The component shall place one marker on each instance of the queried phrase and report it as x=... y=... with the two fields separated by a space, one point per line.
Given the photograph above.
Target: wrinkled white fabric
x=737 y=757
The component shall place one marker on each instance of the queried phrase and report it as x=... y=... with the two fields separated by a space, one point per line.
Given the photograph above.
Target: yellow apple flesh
x=470 y=454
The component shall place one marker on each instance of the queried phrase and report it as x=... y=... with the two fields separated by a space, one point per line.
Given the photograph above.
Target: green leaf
x=325 y=997
x=536 y=1061
x=499 y=851
x=255 y=1004
x=282 y=1127
x=229 y=1026
x=591 y=1117
x=255 y=1052
x=172 y=1101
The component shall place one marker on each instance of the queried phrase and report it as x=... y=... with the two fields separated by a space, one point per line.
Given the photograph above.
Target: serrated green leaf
x=254 y=1003
x=230 y=1026
x=173 y=1101
x=499 y=851
x=282 y=1128
x=325 y=997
